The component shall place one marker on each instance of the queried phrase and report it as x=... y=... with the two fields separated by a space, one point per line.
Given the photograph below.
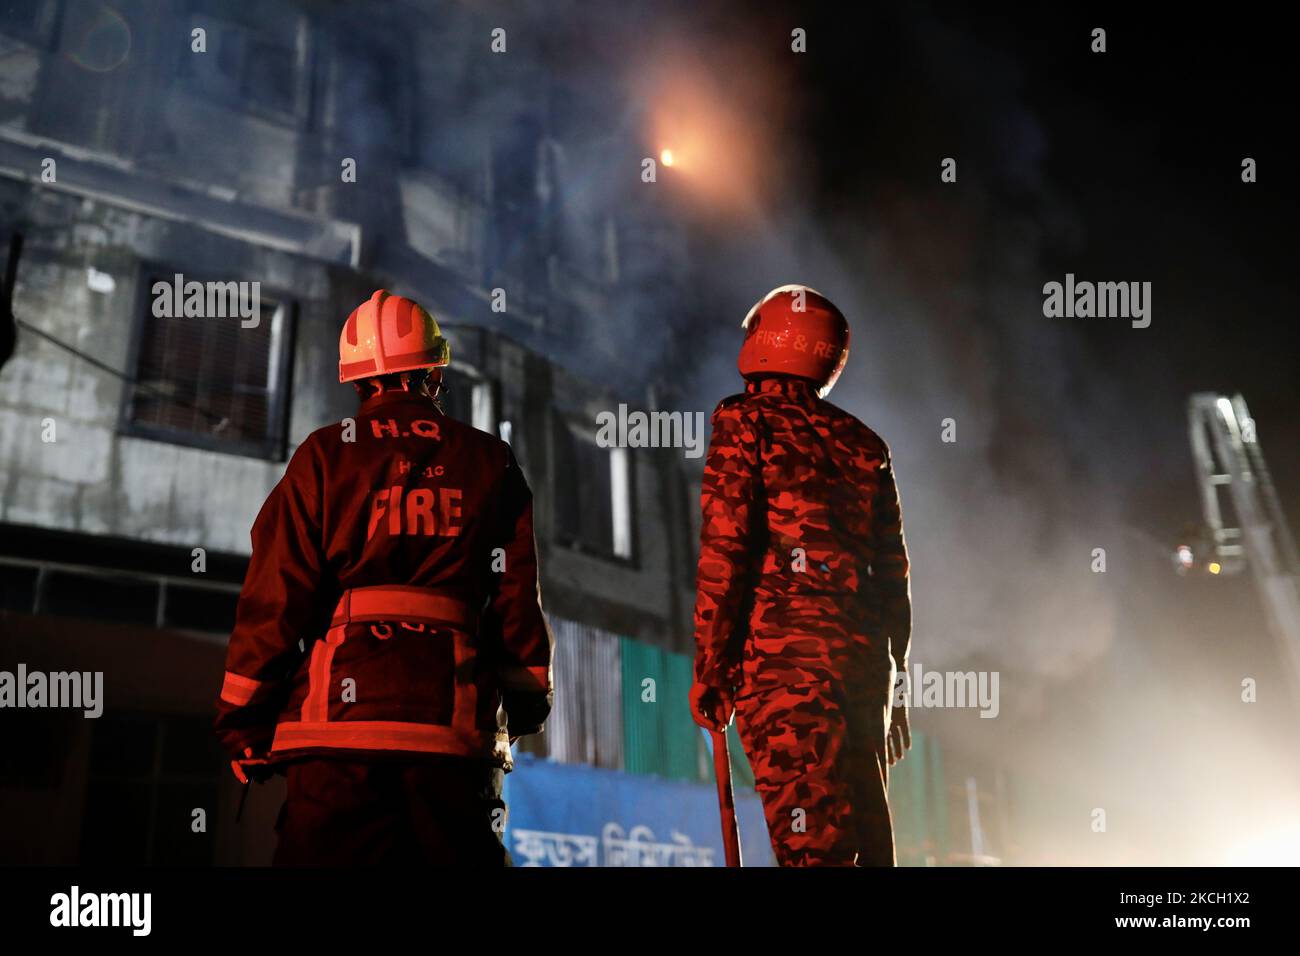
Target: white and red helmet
x=795 y=330
x=389 y=333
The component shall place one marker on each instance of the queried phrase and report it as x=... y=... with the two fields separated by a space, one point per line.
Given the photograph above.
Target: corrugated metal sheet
x=659 y=735
x=600 y=717
x=919 y=805
x=586 y=724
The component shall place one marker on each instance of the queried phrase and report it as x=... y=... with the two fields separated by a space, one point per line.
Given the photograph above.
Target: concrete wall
x=154 y=167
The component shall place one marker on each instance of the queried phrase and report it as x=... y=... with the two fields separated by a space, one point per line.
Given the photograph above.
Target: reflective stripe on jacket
x=391 y=601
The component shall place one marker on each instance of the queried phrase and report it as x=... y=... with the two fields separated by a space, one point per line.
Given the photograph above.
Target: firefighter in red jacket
x=390 y=610
x=803 y=610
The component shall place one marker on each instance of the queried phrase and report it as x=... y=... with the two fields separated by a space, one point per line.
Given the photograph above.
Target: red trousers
x=444 y=812
x=820 y=764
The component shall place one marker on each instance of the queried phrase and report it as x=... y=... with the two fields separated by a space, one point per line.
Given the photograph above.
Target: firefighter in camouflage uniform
x=803 y=613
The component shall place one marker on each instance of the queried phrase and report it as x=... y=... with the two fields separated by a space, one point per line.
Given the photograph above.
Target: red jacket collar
x=398 y=397
x=790 y=386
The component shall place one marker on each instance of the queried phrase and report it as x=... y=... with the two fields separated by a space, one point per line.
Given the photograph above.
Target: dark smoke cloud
x=1061 y=430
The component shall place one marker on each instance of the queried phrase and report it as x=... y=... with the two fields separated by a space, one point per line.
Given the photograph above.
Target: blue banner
x=575 y=815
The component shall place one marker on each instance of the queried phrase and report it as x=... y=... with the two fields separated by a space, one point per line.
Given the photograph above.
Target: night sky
x=1129 y=164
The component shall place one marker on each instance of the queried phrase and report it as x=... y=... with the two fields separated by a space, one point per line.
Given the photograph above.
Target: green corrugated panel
x=681 y=733
x=918 y=803
x=908 y=804
x=938 y=786
x=659 y=736
x=643 y=739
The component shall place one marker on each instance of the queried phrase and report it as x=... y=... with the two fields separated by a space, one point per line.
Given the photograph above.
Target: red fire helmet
x=795 y=330
x=389 y=333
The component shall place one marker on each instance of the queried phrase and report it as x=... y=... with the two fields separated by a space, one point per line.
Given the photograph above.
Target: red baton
x=726 y=799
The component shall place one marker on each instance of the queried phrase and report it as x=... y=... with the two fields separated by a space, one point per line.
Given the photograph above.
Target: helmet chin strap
x=431 y=386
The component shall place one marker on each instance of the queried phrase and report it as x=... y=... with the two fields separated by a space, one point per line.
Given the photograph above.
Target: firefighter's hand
x=899 y=739
x=250 y=767
x=712 y=707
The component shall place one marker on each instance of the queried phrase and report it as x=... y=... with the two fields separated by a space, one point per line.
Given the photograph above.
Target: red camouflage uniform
x=804 y=610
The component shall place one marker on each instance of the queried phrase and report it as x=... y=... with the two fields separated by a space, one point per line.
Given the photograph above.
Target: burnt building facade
x=300 y=156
